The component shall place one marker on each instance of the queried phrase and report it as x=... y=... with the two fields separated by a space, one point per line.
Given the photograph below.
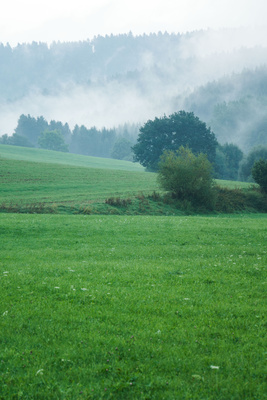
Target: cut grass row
x=132 y=307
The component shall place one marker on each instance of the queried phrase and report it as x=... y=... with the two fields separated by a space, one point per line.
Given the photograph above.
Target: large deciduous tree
x=169 y=133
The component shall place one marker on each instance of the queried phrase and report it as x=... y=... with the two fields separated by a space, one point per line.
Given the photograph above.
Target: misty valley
x=111 y=81
x=133 y=210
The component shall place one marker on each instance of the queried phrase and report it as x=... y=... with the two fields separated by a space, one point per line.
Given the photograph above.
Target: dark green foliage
x=52 y=140
x=240 y=200
x=31 y=128
x=15 y=140
x=227 y=161
x=187 y=177
x=259 y=174
x=245 y=171
x=169 y=133
x=122 y=150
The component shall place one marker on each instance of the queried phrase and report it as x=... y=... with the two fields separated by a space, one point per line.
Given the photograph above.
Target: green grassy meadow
x=57 y=157
x=132 y=307
x=33 y=176
x=124 y=306
x=34 y=180
x=31 y=182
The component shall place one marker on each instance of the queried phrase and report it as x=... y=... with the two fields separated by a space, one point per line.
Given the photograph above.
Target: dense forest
x=97 y=93
x=177 y=60
x=114 y=142
x=235 y=107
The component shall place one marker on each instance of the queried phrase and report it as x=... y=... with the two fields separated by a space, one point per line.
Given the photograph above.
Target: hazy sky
x=70 y=20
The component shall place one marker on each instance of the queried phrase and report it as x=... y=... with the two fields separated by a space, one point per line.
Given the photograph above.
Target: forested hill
x=108 y=81
x=177 y=60
x=234 y=106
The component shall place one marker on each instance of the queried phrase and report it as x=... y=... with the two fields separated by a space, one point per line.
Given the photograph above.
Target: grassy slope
x=126 y=307
x=28 y=182
x=31 y=176
x=132 y=307
x=56 y=157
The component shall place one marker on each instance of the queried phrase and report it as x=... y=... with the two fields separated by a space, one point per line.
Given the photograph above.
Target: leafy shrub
x=259 y=174
x=240 y=200
x=188 y=177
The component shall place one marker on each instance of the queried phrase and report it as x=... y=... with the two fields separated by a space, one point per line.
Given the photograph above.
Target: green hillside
x=42 y=181
x=27 y=182
x=56 y=157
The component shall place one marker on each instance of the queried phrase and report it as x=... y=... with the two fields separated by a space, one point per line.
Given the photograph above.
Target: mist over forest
x=117 y=82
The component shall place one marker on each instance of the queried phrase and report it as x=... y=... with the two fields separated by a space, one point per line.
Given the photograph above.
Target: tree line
x=54 y=135
x=144 y=144
x=166 y=135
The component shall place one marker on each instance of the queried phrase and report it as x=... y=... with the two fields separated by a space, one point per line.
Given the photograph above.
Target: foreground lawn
x=100 y=307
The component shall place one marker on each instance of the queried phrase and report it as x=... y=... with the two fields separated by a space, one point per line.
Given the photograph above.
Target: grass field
x=57 y=157
x=124 y=307
x=132 y=307
x=33 y=177
x=33 y=180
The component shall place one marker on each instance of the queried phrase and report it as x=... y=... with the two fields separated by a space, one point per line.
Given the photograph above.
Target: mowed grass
x=124 y=307
x=26 y=182
x=57 y=157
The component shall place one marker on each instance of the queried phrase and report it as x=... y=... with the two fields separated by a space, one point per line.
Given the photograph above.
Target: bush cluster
x=259 y=174
x=188 y=177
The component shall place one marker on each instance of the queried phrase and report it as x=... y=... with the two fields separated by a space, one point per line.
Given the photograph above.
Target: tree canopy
x=169 y=133
x=52 y=140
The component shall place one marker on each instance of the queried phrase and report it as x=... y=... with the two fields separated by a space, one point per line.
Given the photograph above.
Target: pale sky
x=71 y=20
